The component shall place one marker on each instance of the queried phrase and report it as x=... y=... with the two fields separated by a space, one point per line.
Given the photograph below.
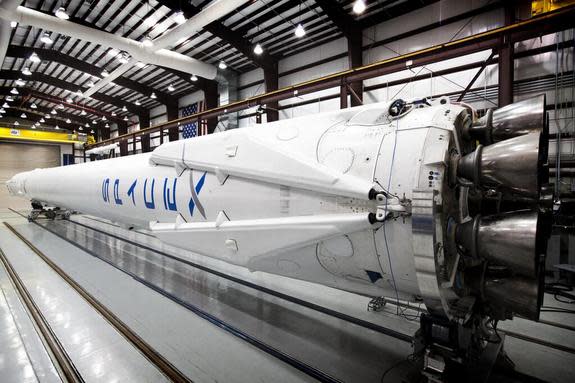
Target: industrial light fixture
x=34 y=58
x=92 y=131
x=26 y=71
x=80 y=93
x=179 y=17
x=113 y=52
x=124 y=57
x=258 y=50
x=104 y=118
x=60 y=106
x=299 y=31
x=20 y=82
x=47 y=117
x=33 y=126
x=53 y=112
x=23 y=115
x=194 y=78
x=46 y=38
x=107 y=125
x=5 y=105
x=80 y=128
x=90 y=84
x=104 y=73
x=2 y=111
x=33 y=106
x=94 y=122
x=222 y=65
x=153 y=95
x=9 y=98
x=13 y=24
x=124 y=109
x=61 y=13
x=14 y=91
x=69 y=100
x=359 y=6
x=68 y=121
x=147 y=42
x=140 y=64
x=83 y=113
x=87 y=125
x=137 y=102
x=171 y=88
x=42 y=120
x=16 y=123
x=125 y=118
x=57 y=127
x=113 y=114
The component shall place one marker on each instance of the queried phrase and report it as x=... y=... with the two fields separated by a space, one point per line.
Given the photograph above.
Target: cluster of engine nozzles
x=510 y=160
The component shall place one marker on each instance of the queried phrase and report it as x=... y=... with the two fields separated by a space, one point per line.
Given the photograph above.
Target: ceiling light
x=299 y=31
x=179 y=17
x=9 y=98
x=13 y=24
x=258 y=50
x=69 y=100
x=153 y=95
x=33 y=106
x=359 y=7
x=23 y=115
x=92 y=131
x=47 y=117
x=171 y=88
x=107 y=125
x=113 y=52
x=61 y=13
x=87 y=125
x=124 y=109
x=46 y=38
x=16 y=123
x=222 y=65
x=147 y=42
x=126 y=118
x=42 y=120
x=2 y=110
x=104 y=73
x=33 y=126
x=57 y=127
x=80 y=93
x=137 y=102
x=60 y=106
x=80 y=128
x=83 y=113
x=26 y=71
x=194 y=78
x=140 y=64
x=53 y=111
x=20 y=82
x=113 y=114
x=34 y=58
x=14 y=91
x=124 y=58
x=104 y=118
x=5 y=105
x=90 y=84
x=94 y=122
x=68 y=121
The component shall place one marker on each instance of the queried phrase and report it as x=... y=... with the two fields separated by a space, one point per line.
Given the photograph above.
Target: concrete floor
x=110 y=268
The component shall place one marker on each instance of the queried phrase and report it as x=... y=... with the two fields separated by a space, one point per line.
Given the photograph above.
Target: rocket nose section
x=15 y=184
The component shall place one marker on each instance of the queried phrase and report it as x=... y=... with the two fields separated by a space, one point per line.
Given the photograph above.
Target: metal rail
x=300 y=365
x=163 y=365
x=60 y=358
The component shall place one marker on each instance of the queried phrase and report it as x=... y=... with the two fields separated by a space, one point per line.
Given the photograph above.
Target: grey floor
x=129 y=279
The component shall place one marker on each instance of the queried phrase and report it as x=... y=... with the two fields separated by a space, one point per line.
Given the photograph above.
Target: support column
x=172 y=112
x=104 y=134
x=211 y=101
x=123 y=129
x=505 y=61
x=144 y=120
x=271 y=80
x=355 y=56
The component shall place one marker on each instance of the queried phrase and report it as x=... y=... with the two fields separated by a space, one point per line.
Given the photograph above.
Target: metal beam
x=144 y=120
x=343 y=20
x=271 y=79
x=524 y=30
x=476 y=76
x=506 y=67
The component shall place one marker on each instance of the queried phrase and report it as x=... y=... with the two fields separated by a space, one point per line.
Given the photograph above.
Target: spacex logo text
x=148 y=195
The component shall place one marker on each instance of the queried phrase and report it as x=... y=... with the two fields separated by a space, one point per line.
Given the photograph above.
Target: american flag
x=191 y=128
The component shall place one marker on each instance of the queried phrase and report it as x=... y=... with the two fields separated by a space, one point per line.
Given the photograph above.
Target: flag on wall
x=190 y=129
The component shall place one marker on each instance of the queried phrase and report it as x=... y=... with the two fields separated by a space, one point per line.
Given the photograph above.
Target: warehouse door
x=16 y=158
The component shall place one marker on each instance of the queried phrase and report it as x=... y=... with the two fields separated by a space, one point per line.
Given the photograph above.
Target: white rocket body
x=290 y=197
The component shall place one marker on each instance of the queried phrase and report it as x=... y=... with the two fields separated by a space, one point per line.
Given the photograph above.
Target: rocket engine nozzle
x=517 y=119
x=515 y=165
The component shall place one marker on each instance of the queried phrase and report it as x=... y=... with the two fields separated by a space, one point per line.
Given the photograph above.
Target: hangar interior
x=367 y=190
